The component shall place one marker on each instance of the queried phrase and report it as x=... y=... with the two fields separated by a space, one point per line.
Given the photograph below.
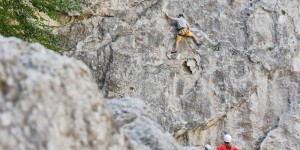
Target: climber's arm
x=170 y=17
x=188 y=26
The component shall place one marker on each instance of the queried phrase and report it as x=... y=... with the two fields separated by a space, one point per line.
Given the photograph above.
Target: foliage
x=19 y=18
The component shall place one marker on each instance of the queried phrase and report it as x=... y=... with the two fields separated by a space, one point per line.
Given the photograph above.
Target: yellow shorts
x=183 y=32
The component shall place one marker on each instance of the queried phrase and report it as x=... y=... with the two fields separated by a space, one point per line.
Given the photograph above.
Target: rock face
x=286 y=134
x=51 y=102
x=135 y=119
x=247 y=87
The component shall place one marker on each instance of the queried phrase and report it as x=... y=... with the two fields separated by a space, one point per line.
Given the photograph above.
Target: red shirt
x=223 y=147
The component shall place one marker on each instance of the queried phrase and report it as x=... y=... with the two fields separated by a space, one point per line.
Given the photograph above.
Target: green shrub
x=18 y=18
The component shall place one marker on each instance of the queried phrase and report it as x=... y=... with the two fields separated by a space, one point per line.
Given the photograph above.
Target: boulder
x=136 y=120
x=48 y=101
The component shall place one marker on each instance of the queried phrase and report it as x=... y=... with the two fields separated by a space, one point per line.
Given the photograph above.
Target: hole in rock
x=186 y=68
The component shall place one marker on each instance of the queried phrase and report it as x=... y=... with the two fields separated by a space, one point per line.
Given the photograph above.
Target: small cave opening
x=186 y=68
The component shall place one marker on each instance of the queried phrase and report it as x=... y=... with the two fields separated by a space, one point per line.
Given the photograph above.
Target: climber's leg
x=178 y=39
x=190 y=34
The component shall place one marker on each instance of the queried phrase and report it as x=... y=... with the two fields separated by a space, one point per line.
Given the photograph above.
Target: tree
x=19 y=18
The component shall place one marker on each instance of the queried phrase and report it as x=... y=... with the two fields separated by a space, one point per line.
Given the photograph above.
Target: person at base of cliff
x=227 y=145
x=183 y=30
x=207 y=147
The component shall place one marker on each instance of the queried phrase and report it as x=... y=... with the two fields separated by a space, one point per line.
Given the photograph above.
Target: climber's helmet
x=207 y=147
x=227 y=138
x=180 y=15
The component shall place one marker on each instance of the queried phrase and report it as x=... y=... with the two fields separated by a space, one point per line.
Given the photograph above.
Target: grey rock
x=51 y=102
x=135 y=119
x=285 y=134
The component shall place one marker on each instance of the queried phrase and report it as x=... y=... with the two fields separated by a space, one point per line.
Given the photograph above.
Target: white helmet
x=227 y=138
x=208 y=147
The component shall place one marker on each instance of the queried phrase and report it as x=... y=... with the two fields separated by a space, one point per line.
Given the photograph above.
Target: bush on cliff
x=19 y=18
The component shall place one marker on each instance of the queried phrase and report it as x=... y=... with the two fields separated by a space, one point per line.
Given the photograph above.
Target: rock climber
x=207 y=147
x=227 y=145
x=183 y=30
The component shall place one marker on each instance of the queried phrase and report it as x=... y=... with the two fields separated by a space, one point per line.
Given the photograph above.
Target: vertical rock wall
x=247 y=87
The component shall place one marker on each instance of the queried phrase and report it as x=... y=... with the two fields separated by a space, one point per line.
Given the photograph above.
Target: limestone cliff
x=247 y=87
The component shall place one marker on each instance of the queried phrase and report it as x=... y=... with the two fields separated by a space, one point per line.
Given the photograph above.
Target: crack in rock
x=262 y=138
